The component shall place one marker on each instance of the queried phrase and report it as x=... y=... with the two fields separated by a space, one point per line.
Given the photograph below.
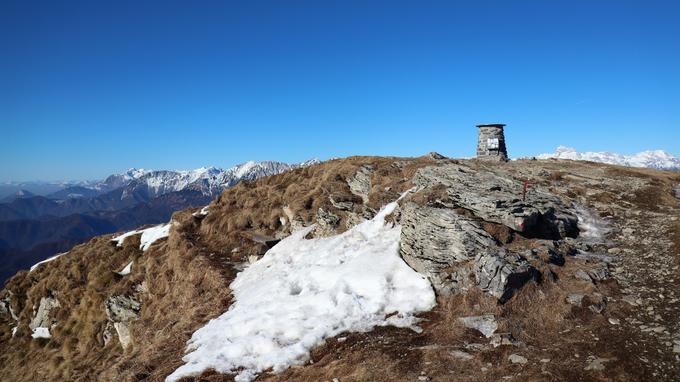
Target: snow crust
x=149 y=235
x=41 y=332
x=592 y=228
x=657 y=159
x=46 y=261
x=304 y=291
x=126 y=270
x=202 y=212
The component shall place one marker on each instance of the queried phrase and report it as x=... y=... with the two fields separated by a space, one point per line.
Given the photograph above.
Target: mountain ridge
x=656 y=159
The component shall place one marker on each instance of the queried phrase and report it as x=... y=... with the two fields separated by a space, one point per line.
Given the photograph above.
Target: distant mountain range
x=34 y=227
x=657 y=159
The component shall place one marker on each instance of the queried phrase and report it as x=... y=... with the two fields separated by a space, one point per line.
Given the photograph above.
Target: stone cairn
x=491 y=143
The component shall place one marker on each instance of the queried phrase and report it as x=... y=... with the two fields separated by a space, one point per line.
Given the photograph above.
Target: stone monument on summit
x=491 y=142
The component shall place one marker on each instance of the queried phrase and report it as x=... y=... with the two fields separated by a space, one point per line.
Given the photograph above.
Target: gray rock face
x=434 y=239
x=360 y=183
x=676 y=191
x=296 y=222
x=41 y=319
x=582 y=275
x=343 y=205
x=435 y=155
x=502 y=274
x=600 y=273
x=326 y=222
x=4 y=306
x=120 y=310
x=497 y=199
x=575 y=299
x=485 y=324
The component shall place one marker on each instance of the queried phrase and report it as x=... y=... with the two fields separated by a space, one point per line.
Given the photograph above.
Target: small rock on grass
x=516 y=358
x=485 y=324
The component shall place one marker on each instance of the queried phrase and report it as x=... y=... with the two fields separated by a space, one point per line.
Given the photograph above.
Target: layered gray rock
x=502 y=274
x=41 y=319
x=435 y=155
x=360 y=183
x=497 y=199
x=343 y=205
x=433 y=240
x=326 y=223
x=120 y=310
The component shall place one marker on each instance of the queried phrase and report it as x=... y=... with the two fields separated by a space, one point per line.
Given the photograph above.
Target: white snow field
x=304 y=291
x=149 y=235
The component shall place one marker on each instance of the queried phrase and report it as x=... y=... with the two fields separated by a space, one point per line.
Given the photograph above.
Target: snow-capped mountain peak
x=657 y=159
x=134 y=173
x=208 y=180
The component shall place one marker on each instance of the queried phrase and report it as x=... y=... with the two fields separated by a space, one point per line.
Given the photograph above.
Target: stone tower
x=491 y=143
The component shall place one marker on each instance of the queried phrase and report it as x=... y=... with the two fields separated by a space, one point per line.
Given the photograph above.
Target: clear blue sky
x=89 y=88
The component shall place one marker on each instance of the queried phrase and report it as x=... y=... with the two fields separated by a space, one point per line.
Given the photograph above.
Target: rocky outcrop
x=120 y=310
x=456 y=229
x=41 y=319
x=502 y=274
x=326 y=223
x=6 y=310
x=435 y=240
x=360 y=183
x=495 y=198
x=341 y=204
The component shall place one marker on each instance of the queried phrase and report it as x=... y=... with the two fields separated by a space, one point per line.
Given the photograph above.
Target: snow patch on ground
x=304 y=291
x=149 y=235
x=41 y=333
x=202 y=212
x=46 y=261
x=591 y=226
x=126 y=270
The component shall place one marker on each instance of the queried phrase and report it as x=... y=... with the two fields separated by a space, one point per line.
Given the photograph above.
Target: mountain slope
x=557 y=287
x=656 y=159
x=30 y=226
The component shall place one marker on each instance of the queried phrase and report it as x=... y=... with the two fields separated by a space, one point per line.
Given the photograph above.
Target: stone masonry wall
x=491 y=132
